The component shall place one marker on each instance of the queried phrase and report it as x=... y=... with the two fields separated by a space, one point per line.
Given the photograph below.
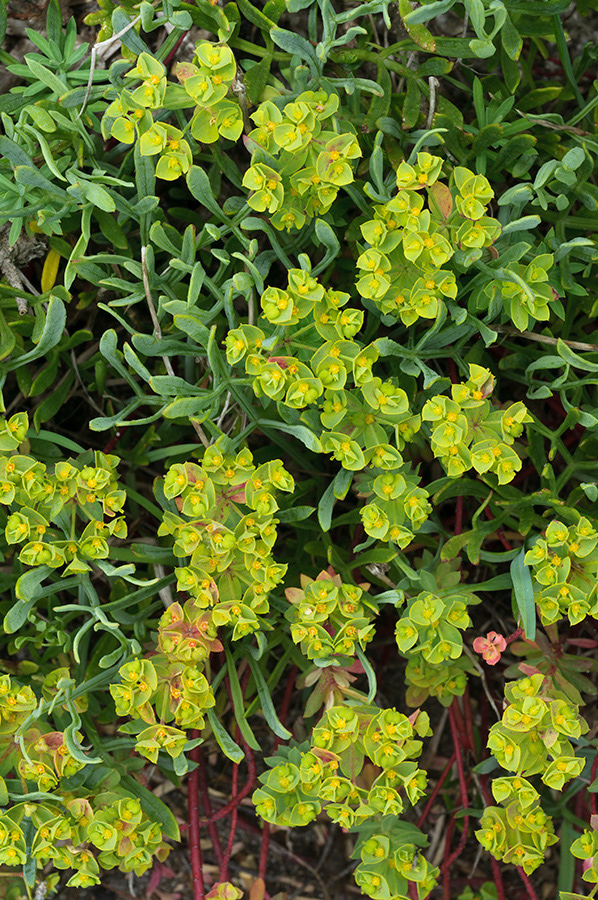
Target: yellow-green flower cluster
x=518 y=832
x=523 y=290
x=390 y=861
x=48 y=759
x=326 y=775
x=16 y=702
x=444 y=681
x=431 y=626
x=207 y=81
x=565 y=566
x=179 y=692
x=226 y=529
x=83 y=833
x=329 y=618
x=204 y=84
x=359 y=414
x=535 y=733
x=300 y=159
x=403 y=267
x=68 y=827
x=129 y=115
x=399 y=506
x=467 y=432
x=586 y=847
x=38 y=496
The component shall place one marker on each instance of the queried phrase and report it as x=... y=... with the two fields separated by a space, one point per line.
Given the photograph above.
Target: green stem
x=255 y=50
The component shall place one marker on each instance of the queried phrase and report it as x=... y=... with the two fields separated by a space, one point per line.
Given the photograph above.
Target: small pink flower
x=490 y=647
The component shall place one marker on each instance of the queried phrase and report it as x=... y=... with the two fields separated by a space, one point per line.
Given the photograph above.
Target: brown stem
x=544 y=339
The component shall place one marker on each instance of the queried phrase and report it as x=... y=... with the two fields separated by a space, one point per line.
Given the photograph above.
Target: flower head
x=490 y=647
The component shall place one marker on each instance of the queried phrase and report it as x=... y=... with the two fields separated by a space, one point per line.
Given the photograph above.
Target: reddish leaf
x=441 y=198
x=258 y=890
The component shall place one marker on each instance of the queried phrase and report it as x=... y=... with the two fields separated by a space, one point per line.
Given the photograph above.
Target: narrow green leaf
x=17 y=615
x=416 y=31
x=3 y=792
x=579 y=362
x=411 y=105
x=130 y=39
x=53 y=22
x=428 y=11
x=567 y=860
x=3 y=19
x=325 y=507
x=199 y=185
x=256 y=79
x=224 y=740
x=46 y=76
x=255 y=15
x=238 y=702
x=266 y=702
x=370 y=674
x=524 y=594
x=486 y=766
x=296 y=45
x=97 y=195
x=326 y=235
x=53 y=402
x=302 y=433
x=75 y=97
x=295 y=514
x=153 y=807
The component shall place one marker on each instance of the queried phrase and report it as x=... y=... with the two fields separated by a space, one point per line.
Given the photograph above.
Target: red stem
x=115 y=439
x=193 y=807
x=436 y=791
x=469 y=719
x=592 y=777
x=457 y=853
x=500 y=889
x=446 y=887
x=286 y=700
x=233 y=827
x=516 y=634
x=464 y=801
x=499 y=534
x=264 y=851
x=460 y=724
x=207 y=808
x=246 y=789
x=412 y=890
x=531 y=894
x=175 y=48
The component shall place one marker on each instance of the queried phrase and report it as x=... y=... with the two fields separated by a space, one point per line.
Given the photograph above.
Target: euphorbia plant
x=307 y=303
